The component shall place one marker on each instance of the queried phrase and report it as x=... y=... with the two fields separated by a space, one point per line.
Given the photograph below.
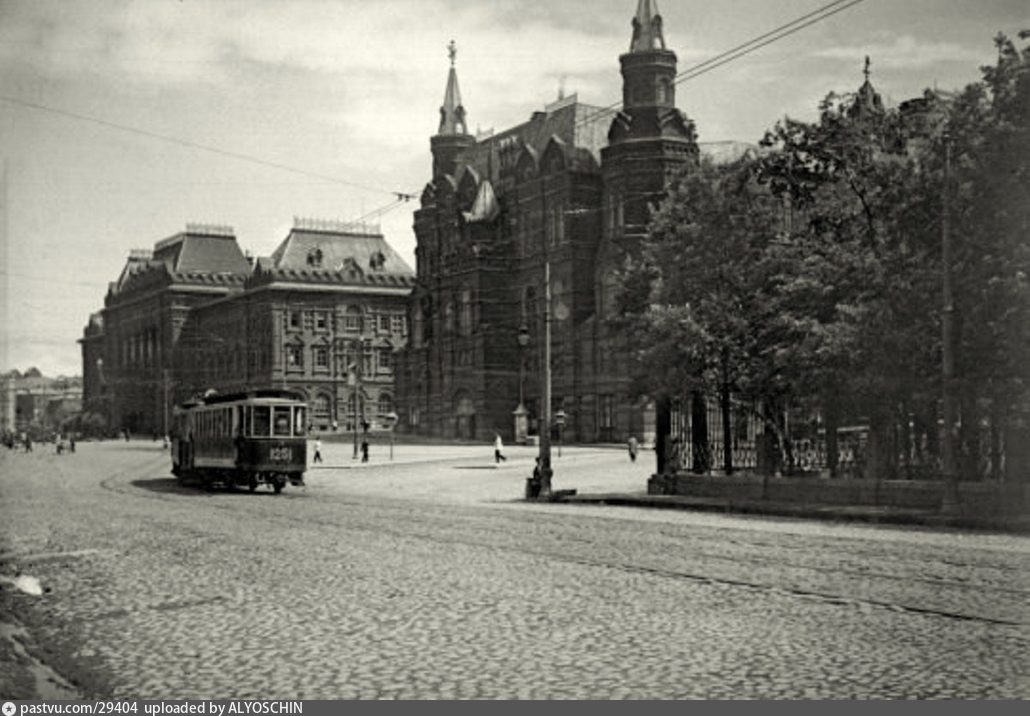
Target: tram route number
x=280 y=454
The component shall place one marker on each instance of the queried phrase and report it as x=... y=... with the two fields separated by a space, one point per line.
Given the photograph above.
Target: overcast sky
x=351 y=89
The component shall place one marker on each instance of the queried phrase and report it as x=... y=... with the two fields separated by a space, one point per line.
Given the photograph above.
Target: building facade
x=566 y=195
x=196 y=314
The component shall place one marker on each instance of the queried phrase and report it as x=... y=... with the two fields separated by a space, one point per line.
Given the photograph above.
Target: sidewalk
x=844 y=513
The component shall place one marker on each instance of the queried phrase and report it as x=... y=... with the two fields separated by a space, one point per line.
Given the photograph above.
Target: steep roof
x=336 y=249
x=208 y=251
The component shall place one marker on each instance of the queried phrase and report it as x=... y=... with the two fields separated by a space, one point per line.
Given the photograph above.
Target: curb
x=836 y=513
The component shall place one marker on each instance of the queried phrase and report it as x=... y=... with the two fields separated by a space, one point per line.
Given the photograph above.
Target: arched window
x=321 y=408
x=352 y=319
x=385 y=404
x=448 y=317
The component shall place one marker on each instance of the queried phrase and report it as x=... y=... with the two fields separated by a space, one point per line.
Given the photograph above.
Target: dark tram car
x=241 y=439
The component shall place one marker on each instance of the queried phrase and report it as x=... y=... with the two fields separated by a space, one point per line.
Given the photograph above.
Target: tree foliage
x=811 y=274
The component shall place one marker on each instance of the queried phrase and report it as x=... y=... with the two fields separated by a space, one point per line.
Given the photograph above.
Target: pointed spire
x=867 y=99
x=647 y=28
x=452 y=113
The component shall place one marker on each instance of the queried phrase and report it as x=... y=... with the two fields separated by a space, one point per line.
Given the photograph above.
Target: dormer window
x=315 y=258
x=377 y=261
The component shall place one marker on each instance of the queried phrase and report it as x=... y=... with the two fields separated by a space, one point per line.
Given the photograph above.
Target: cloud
x=905 y=52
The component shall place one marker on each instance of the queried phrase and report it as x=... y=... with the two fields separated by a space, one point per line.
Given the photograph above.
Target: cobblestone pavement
x=427 y=578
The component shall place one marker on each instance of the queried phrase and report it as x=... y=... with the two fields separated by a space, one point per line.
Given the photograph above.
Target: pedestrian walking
x=28 y=443
x=71 y=443
x=632 y=444
x=498 y=447
x=318 y=451
x=364 y=450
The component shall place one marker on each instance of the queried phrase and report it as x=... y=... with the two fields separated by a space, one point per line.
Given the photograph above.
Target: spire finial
x=452 y=114
x=866 y=70
x=647 y=28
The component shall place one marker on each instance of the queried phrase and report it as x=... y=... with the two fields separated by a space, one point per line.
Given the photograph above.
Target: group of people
x=24 y=441
x=316 y=448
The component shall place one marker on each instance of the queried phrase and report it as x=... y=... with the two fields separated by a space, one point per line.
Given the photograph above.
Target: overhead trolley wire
x=745 y=48
x=194 y=145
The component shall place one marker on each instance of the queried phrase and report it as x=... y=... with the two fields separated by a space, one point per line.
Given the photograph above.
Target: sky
x=347 y=94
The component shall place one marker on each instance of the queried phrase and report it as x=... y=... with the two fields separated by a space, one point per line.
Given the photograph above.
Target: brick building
x=196 y=314
x=566 y=193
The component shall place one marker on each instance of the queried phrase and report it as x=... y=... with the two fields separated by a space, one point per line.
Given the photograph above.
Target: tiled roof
x=216 y=253
x=335 y=251
x=583 y=128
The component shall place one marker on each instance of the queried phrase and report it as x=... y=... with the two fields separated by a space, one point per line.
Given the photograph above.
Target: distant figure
x=28 y=443
x=498 y=447
x=318 y=451
x=336 y=426
x=71 y=443
x=126 y=431
x=364 y=450
x=59 y=445
x=632 y=443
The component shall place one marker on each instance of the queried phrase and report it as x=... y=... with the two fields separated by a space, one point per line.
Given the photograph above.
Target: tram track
x=424 y=528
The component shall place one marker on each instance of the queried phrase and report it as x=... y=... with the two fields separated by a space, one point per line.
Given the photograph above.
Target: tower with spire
x=649 y=139
x=452 y=137
x=563 y=194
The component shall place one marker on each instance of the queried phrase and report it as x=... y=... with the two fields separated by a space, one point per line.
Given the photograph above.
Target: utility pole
x=545 y=411
x=950 y=497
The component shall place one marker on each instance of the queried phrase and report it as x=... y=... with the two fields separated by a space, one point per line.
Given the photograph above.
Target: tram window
x=262 y=421
x=298 y=421
x=245 y=428
x=282 y=421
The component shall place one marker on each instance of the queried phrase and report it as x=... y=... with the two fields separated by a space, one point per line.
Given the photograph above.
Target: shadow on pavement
x=170 y=485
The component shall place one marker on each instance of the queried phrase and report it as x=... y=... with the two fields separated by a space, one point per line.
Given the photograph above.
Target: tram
x=241 y=440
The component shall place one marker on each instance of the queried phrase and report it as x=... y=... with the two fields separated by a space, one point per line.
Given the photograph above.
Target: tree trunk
x=699 y=433
x=662 y=428
x=727 y=429
x=831 y=415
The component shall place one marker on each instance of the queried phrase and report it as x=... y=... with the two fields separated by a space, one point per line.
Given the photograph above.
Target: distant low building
x=32 y=400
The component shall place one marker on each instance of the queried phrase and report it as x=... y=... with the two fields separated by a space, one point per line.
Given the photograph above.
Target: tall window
x=352 y=319
x=385 y=358
x=385 y=403
x=296 y=320
x=295 y=356
x=607 y=411
x=466 y=312
x=321 y=356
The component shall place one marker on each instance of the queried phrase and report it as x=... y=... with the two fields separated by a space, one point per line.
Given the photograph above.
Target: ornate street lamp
x=521 y=414
x=559 y=420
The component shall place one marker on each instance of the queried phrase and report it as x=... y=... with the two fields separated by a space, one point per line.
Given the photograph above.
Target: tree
x=693 y=298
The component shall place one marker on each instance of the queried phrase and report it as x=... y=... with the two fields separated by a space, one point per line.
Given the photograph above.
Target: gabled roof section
x=583 y=128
